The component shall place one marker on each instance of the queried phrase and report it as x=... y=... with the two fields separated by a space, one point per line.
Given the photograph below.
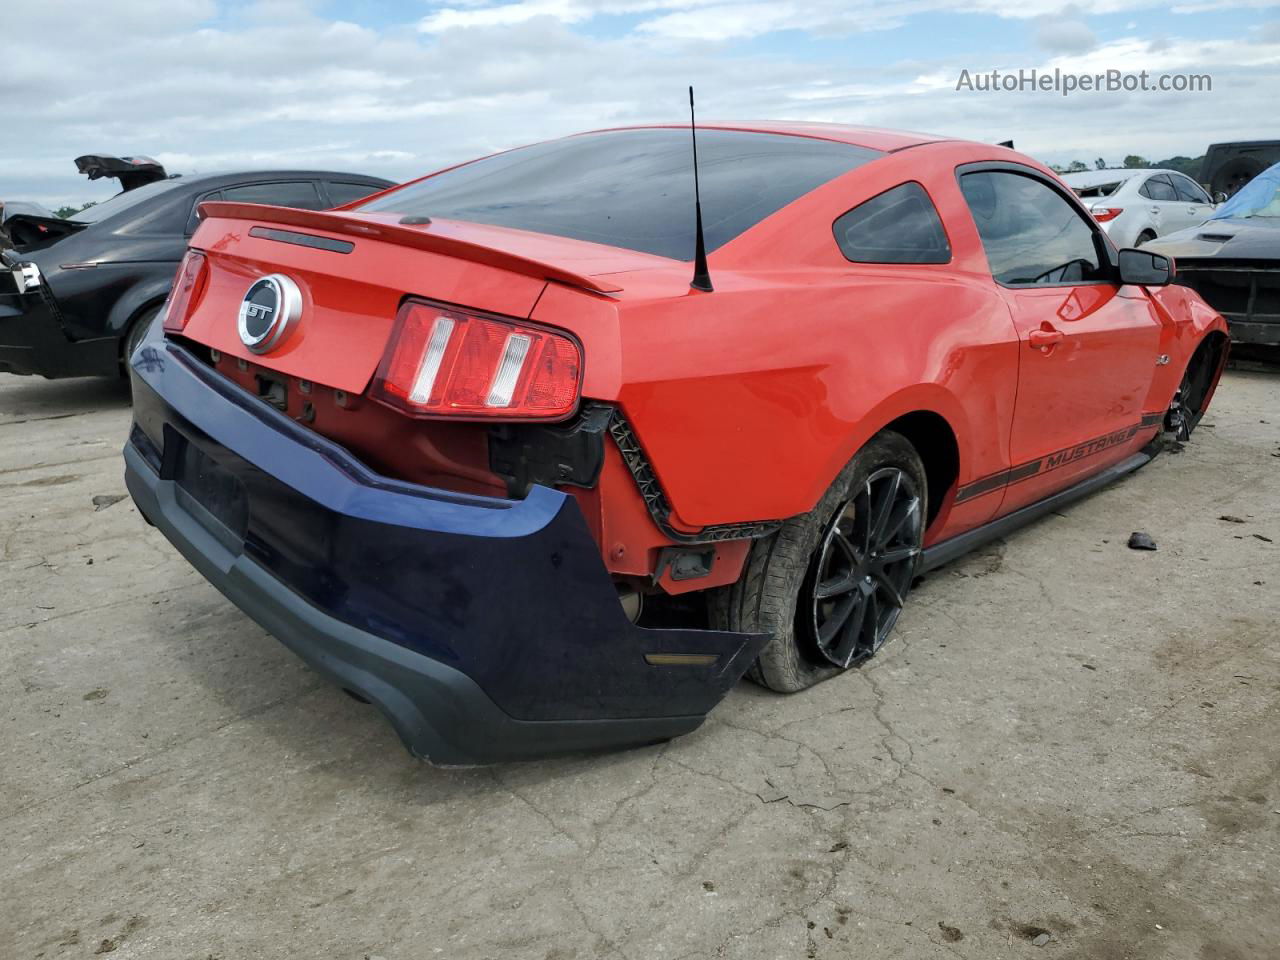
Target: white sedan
x=1137 y=205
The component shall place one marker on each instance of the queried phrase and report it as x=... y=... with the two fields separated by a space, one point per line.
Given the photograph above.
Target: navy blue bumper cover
x=485 y=629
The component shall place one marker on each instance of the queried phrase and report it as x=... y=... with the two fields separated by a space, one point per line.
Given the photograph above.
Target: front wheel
x=1192 y=396
x=829 y=585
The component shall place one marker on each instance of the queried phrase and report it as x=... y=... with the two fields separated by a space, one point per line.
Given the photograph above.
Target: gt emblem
x=271 y=308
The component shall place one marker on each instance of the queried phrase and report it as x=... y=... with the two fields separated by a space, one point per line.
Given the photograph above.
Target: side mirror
x=1220 y=197
x=1144 y=268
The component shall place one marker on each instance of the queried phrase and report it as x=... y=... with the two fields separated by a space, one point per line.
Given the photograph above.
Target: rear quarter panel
x=750 y=400
x=749 y=411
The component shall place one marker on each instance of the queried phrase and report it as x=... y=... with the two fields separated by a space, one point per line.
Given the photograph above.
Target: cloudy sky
x=400 y=88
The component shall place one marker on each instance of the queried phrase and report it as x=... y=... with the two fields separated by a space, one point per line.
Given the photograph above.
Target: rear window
x=123 y=201
x=632 y=188
x=1098 y=190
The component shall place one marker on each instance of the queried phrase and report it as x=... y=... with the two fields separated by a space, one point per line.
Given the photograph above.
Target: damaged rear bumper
x=485 y=629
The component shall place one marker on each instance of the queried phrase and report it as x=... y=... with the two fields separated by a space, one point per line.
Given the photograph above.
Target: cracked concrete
x=1068 y=739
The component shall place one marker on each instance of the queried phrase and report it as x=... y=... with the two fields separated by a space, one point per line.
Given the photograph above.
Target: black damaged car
x=77 y=294
x=1233 y=260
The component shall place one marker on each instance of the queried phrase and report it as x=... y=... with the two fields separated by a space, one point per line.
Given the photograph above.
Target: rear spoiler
x=132 y=172
x=434 y=238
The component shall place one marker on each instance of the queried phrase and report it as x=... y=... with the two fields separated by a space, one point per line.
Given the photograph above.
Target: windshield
x=123 y=201
x=1098 y=190
x=632 y=188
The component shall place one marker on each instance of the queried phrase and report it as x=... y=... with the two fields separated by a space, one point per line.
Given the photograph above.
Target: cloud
x=1064 y=36
x=207 y=86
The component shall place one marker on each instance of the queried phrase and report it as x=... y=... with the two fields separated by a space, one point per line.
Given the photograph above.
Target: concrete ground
x=1070 y=744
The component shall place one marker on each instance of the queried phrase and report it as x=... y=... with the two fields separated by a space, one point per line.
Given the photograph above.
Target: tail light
x=443 y=361
x=1103 y=214
x=188 y=286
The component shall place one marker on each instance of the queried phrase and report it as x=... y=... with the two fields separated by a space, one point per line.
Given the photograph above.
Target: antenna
x=701 y=278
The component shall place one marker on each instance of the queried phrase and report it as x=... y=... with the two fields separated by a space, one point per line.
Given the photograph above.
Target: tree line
x=1188 y=165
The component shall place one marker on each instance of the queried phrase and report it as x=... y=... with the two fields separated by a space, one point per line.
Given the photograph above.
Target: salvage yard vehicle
x=77 y=294
x=1229 y=166
x=1135 y=206
x=1233 y=261
x=536 y=458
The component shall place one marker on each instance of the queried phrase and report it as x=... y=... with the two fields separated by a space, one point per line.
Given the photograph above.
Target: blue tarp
x=1262 y=193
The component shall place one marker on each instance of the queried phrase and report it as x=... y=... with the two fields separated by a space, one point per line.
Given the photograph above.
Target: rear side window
x=288 y=193
x=340 y=194
x=1158 y=188
x=1031 y=233
x=632 y=188
x=898 y=226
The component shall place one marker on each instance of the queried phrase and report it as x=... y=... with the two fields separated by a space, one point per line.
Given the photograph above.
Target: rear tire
x=828 y=586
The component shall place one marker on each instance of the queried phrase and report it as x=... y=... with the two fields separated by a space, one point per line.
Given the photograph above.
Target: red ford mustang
x=478 y=450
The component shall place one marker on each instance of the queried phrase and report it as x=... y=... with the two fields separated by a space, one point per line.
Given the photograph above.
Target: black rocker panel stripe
x=1052 y=461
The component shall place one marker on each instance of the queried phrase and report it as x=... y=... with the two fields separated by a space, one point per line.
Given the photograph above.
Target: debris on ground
x=1041 y=940
x=1259 y=536
x=949 y=933
x=104 y=500
x=1231 y=519
x=1141 y=541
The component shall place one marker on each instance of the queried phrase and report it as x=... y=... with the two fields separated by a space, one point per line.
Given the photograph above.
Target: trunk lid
x=353 y=270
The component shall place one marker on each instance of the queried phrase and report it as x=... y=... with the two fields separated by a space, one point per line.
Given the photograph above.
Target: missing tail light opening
x=446 y=362
x=187 y=290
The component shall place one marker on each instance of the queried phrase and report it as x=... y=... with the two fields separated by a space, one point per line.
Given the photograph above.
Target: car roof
x=872 y=138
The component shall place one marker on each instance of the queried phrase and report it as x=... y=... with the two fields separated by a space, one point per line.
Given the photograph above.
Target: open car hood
x=130 y=171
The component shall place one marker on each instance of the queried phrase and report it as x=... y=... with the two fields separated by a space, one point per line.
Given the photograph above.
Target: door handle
x=1045 y=337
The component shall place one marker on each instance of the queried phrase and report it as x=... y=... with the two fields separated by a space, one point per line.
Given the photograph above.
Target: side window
x=340 y=194
x=898 y=226
x=1158 y=188
x=1031 y=233
x=291 y=193
x=1189 y=191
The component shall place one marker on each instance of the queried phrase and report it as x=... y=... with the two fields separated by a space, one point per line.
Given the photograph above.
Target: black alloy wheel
x=862 y=570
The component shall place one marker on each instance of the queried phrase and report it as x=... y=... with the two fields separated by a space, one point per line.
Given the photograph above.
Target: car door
x=1088 y=344
x=1162 y=204
x=1194 y=205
